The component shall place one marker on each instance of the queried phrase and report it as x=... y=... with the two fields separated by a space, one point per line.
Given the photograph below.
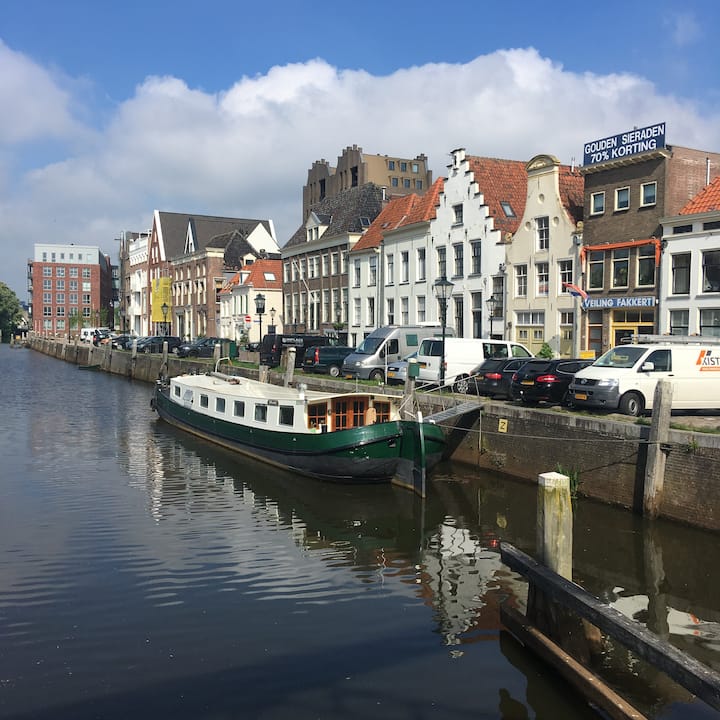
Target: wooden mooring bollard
x=563 y=622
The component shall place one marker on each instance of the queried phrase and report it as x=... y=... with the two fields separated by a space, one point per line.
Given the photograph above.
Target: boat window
x=340 y=411
x=261 y=413
x=176 y=390
x=220 y=405
x=358 y=412
x=287 y=415
x=317 y=415
x=382 y=411
x=204 y=401
x=188 y=396
x=239 y=408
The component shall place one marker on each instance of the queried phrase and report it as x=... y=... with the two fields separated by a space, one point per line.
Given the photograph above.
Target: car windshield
x=369 y=345
x=620 y=357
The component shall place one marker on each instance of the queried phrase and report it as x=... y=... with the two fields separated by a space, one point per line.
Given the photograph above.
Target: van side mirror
x=647 y=366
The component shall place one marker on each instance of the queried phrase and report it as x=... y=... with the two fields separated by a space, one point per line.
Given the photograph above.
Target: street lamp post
x=492 y=305
x=271 y=328
x=164 y=307
x=260 y=310
x=443 y=289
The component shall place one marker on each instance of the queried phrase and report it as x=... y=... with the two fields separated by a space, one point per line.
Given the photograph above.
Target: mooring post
x=555 y=523
x=289 y=356
x=655 y=465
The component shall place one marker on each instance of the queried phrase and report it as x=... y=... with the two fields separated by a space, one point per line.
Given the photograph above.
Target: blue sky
x=112 y=110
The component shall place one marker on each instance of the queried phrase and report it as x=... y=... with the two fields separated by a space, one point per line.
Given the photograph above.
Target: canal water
x=144 y=573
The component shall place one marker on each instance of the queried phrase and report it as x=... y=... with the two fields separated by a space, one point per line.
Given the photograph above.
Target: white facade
x=689 y=289
x=137 y=319
x=543 y=254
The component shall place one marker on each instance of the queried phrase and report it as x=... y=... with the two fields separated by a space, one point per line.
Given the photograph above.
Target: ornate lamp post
x=492 y=306
x=442 y=288
x=164 y=307
x=260 y=309
x=271 y=328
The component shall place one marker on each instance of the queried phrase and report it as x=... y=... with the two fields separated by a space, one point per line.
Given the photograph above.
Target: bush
x=546 y=352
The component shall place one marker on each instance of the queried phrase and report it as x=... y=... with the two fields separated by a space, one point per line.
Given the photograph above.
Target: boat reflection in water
x=442 y=552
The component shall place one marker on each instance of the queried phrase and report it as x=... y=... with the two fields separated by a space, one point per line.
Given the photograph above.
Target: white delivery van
x=462 y=357
x=86 y=333
x=625 y=377
x=384 y=346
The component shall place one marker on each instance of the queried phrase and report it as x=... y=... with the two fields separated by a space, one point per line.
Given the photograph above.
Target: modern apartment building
x=69 y=287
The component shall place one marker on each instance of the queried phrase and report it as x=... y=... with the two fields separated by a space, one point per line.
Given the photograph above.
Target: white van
x=462 y=356
x=385 y=346
x=86 y=333
x=625 y=377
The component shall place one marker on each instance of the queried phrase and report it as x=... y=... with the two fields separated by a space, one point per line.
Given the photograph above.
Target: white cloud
x=246 y=151
x=685 y=30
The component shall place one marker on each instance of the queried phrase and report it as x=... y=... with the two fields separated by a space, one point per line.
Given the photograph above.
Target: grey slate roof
x=344 y=211
x=205 y=227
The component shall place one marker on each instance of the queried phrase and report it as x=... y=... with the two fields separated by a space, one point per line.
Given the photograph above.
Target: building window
x=372 y=266
x=47 y=298
x=394 y=182
x=86 y=273
x=403 y=166
x=391 y=311
x=542 y=272
x=335 y=263
x=459 y=315
x=566 y=273
x=646 y=266
x=415 y=167
x=596 y=264
x=404 y=312
x=59 y=284
x=442 y=262
x=47 y=311
x=356 y=311
x=681 y=274
x=60 y=311
x=521 y=280
x=710 y=322
x=418 y=184
x=261 y=413
x=507 y=209
x=47 y=271
x=356 y=274
x=620 y=268
x=711 y=271
x=60 y=272
x=622 y=198
x=476 y=261
x=404 y=266
x=542 y=225
x=597 y=203
x=371 y=312
x=648 y=194
x=458 y=251
x=286 y=415
x=679 y=322
x=390 y=262
x=421 y=264
x=60 y=298
x=421 y=313
x=73 y=272
x=391 y=164
x=457 y=214
x=406 y=183
x=595 y=325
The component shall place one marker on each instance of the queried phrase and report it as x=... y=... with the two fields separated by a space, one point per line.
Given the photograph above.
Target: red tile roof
x=572 y=189
x=256 y=276
x=707 y=200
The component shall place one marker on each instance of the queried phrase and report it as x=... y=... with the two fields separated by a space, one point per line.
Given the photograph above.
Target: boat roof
x=247 y=387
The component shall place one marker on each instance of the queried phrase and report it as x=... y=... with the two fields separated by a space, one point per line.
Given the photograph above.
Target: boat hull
x=372 y=453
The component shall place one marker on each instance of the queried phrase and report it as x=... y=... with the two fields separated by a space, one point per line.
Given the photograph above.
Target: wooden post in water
x=289 y=356
x=655 y=465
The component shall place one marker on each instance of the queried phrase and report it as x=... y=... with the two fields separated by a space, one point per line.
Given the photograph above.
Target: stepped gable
x=501 y=181
x=344 y=211
x=707 y=200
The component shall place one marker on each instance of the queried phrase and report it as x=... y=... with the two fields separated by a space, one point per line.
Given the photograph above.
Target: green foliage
x=546 y=352
x=10 y=310
x=574 y=476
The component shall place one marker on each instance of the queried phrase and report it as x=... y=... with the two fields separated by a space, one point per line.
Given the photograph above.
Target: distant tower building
x=70 y=287
x=398 y=176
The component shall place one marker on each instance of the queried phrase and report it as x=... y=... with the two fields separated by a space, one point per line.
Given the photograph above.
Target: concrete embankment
x=605 y=458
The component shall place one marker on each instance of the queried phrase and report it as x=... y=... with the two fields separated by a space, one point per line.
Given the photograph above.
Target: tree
x=10 y=311
x=546 y=351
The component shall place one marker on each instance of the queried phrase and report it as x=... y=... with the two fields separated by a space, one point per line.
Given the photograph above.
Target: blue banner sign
x=633 y=142
x=601 y=303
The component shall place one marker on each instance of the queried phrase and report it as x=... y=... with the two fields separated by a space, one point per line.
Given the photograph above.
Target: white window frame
x=597 y=208
x=626 y=188
x=643 y=202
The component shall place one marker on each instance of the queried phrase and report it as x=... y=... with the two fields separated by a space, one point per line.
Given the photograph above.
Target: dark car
x=101 y=337
x=546 y=380
x=201 y=347
x=123 y=342
x=154 y=343
x=493 y=377
x=326 y=358
x=273 y=345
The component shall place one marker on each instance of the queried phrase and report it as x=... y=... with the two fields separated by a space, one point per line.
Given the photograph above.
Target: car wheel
x=632 y=403
x=377 y=375
x=334 y=371
x=462 y=384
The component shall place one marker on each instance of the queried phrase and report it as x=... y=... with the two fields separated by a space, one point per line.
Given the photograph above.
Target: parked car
x=398 y=371
x=493 y=377
x=123 y=342
x=101 y=336
x=201 y=347
x=546 y=380
x=154 y=343
x=326 y=358
x=273 y=345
